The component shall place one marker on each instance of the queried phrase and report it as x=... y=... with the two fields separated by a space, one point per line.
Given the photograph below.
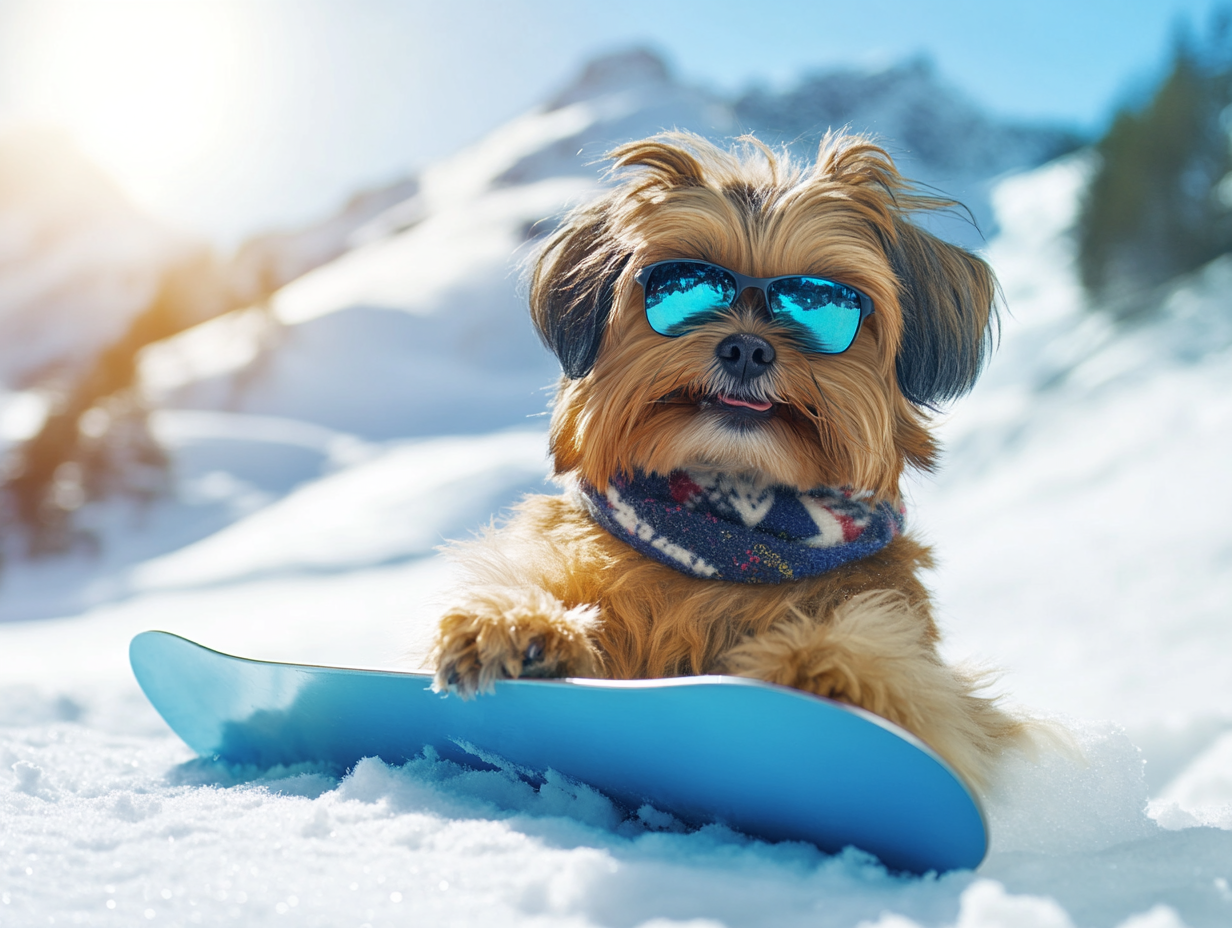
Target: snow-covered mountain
x=77 y=261
x=86 y=279
x=930 y=123
x=265 y=263
x=938 y=136
x=422 y=320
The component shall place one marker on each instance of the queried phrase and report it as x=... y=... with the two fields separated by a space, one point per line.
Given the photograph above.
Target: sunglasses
x=681 y=295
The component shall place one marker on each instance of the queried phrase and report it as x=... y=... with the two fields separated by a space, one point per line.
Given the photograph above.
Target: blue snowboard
x=769 y=761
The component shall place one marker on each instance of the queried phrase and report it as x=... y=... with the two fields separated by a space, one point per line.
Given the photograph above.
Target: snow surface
x=1085 y=549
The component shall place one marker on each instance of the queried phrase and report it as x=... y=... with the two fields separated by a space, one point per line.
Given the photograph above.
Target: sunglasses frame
x=744 y=282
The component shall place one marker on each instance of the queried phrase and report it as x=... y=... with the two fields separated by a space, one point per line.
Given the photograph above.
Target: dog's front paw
x=876 y=652
x=873 y=652
x=508 y=633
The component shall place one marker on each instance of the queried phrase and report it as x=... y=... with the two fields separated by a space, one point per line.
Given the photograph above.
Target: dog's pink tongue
x=732 y=401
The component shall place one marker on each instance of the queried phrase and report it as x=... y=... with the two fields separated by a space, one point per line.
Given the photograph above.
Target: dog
x=751 y=350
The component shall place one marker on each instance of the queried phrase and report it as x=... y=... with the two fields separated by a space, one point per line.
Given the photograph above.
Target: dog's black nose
x=746 y=357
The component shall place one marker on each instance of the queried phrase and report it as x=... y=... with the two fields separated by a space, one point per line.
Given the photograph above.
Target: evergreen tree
x=1160 y=203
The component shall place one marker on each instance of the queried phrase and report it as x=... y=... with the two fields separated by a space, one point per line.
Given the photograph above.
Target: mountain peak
x=629 y=69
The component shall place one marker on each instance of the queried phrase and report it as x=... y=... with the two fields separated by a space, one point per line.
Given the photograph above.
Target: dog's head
x=633 y=399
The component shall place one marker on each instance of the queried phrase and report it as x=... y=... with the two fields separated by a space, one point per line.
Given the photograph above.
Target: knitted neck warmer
x=729 y=527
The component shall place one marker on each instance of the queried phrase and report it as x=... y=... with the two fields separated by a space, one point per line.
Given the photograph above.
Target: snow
x=366 y=514
x=425 y=305
x=938 y=136
x=1100 y=452
x=1084 y=546
x=77 y=262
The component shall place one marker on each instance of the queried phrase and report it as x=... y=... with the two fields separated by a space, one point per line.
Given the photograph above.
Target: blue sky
x=1047 y=58
x=228 y=116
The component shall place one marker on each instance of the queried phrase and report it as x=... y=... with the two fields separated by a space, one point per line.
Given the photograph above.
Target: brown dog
x=688 y=453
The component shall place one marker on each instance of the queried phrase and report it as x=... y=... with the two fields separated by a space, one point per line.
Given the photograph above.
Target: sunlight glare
x=153 y=89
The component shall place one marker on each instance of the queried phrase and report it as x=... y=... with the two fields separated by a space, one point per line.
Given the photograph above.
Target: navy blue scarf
x=731 y=527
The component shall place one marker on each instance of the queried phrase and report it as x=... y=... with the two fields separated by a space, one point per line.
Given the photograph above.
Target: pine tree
x=1160 y=203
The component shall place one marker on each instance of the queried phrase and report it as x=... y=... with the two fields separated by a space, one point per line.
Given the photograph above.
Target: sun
x=152 y=89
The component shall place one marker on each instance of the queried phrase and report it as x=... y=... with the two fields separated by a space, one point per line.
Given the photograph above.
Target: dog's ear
x=574 y=280
x=946 y=295
x=572 y=288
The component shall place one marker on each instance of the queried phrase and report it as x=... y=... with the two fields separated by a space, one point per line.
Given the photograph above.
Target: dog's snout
x=745 y=356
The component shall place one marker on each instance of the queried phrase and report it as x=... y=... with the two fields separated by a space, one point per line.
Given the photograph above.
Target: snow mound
x=264 y=496
x=1202 y=793
x=1082 y=796
x=402 y=504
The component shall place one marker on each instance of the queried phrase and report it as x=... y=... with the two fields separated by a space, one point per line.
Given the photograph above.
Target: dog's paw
x=869 y=650
x=507 y=633
x=877 y=653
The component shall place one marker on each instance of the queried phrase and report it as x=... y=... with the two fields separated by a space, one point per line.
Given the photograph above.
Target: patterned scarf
x=730 y=527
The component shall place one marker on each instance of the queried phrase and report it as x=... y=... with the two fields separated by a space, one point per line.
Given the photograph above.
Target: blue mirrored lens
x=828 y=313
x=681 y=294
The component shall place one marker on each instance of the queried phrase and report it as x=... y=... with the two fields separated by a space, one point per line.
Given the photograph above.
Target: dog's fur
x=551 y=593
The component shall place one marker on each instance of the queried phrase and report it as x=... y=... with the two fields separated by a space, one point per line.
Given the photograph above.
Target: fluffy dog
x=732 y=500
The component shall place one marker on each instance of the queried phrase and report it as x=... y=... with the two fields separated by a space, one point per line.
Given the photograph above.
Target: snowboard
x=772 y=762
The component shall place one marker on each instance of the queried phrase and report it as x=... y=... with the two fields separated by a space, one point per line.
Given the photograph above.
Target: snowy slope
x=1081 y=497
x=422 y=322
x=77 y=261
x=1058 y=561
x=258 y=496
